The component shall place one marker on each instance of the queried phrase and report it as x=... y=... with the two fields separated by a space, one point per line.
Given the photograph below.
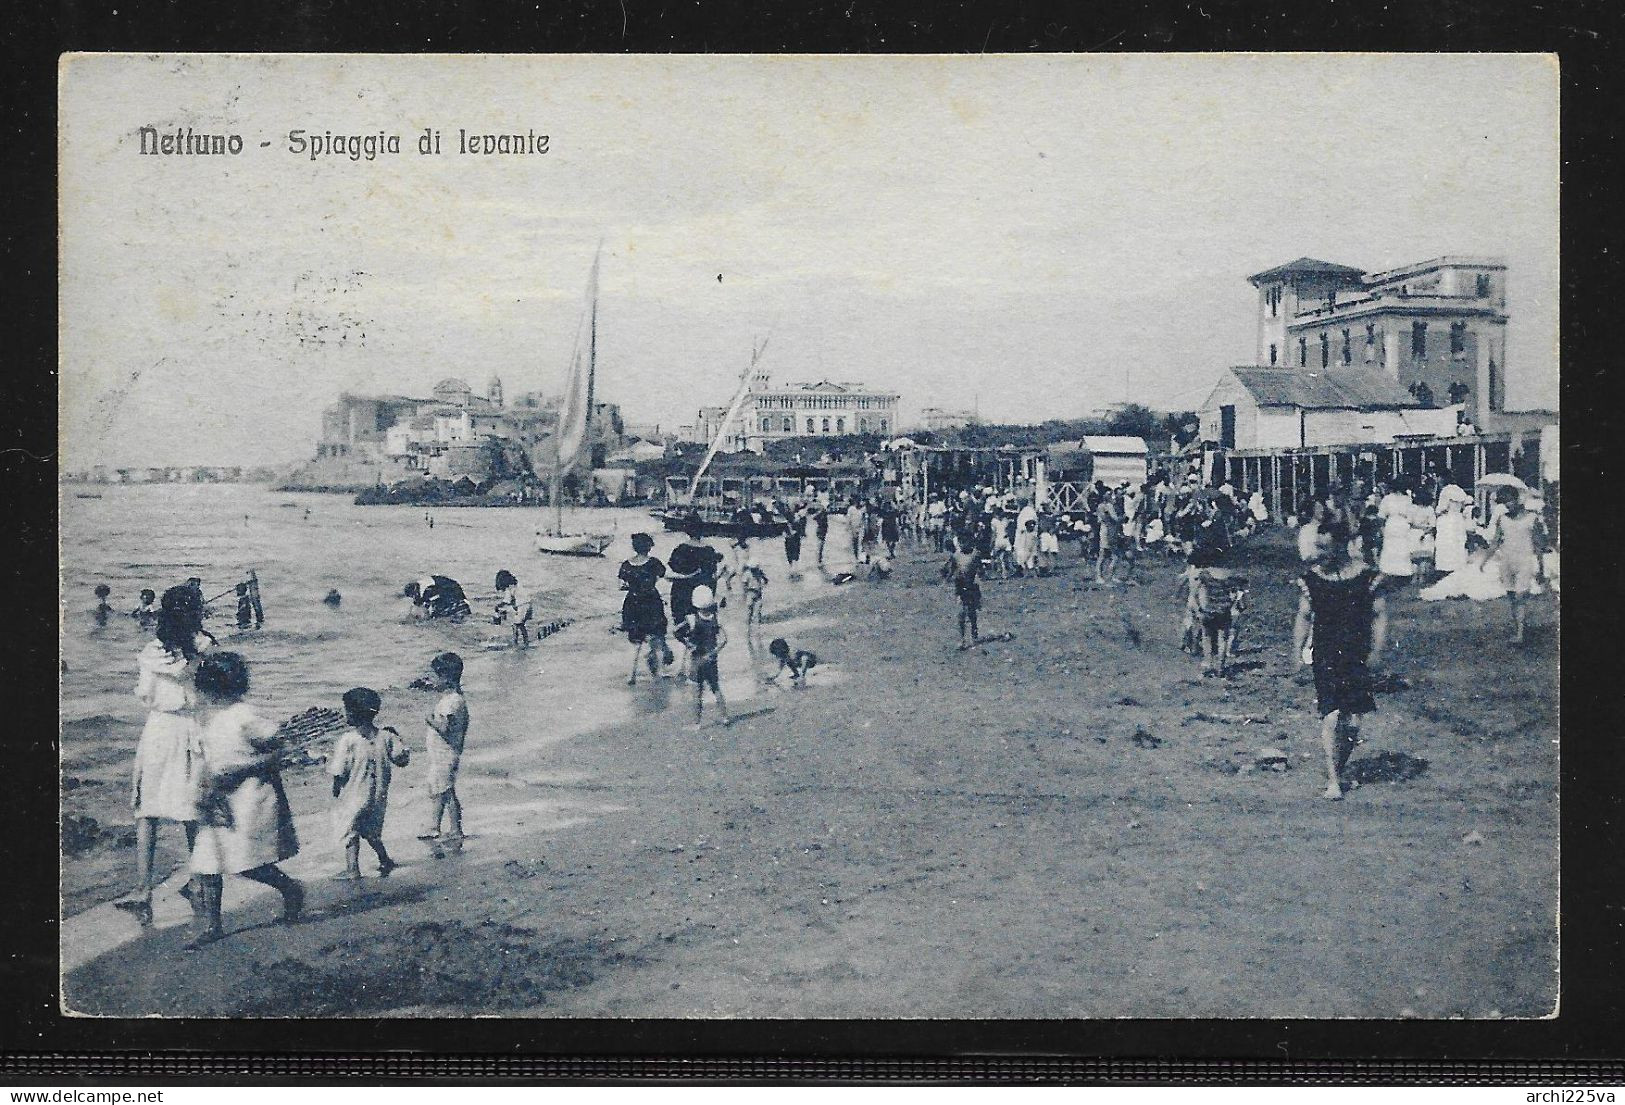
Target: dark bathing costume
x=643 y=614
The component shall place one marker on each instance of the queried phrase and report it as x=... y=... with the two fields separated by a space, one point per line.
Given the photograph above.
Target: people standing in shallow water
x=513 y=609
x=446 y=735
x=146 y=611
x=247 y=823
x=1343 y=617
x=692 y=564
x=643 y=612
x=168 y=760
x=104 y=609
x=702 y=633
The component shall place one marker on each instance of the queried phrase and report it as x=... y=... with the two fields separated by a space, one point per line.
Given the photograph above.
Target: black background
x=35 y=1039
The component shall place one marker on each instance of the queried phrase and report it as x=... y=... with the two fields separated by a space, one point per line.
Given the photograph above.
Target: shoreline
x=1068 y=824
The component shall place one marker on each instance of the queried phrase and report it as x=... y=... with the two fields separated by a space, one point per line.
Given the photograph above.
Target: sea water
x=301 y=546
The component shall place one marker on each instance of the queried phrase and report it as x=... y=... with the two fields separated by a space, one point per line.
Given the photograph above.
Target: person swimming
x=146 y=611
x=333 y=598
x=103 y=607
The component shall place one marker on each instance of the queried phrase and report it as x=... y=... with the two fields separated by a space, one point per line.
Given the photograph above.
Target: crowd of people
x=207 y=762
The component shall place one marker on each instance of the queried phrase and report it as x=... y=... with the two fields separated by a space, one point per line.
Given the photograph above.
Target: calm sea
x=302 y=545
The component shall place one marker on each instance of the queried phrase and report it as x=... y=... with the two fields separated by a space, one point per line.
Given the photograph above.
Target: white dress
x=261 y=823
x=363 y=767
x=168 y=761
x=1398 y=541
x=1449 y=538
x=1478 y=579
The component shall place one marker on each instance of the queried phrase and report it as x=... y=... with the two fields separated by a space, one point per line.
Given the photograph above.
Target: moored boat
x=713 y=523
x=572 y=544
x=571 y=441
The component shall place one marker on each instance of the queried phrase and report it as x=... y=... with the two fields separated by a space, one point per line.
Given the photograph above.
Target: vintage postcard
x=1056 y=536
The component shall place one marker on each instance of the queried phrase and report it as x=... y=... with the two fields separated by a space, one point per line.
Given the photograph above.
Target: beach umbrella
x=1502 y=479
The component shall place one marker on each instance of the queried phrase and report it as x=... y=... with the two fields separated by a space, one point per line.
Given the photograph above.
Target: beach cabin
x=1066 y=470
x=1262 y=408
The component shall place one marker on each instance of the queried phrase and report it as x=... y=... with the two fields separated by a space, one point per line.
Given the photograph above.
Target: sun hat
x=704 y=598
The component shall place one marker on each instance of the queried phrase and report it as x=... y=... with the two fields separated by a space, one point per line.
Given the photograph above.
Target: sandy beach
x=1065 y=824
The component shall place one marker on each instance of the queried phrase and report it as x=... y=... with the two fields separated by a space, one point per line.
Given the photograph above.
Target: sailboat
x=717 y=520
x=572 y=440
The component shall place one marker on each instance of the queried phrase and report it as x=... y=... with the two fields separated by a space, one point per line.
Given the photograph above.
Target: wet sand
x=1066 y=824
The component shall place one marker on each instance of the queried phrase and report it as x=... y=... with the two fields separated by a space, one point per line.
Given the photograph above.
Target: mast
x=557 y=483
x=727 y=420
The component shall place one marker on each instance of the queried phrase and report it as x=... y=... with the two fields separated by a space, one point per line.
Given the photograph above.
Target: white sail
x=575 y=414
x=727 y=422
x=572 y=429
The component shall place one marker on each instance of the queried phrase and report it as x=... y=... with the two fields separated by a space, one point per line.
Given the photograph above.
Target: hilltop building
x=456 y=432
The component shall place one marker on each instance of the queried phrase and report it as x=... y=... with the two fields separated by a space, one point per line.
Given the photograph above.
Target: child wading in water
x=963 y=566
x=247 y=824
x=704 y=635
x=448 y=729
x=755 y=582
x=363 y=759
x=797 y=662
x=1341 y=605
x=512 y=609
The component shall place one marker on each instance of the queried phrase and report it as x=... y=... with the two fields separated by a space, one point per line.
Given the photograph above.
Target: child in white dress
x=168 y=759
x=362 y=763
x=247 y=825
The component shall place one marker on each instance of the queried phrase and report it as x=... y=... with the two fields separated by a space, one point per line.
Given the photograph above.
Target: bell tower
x=493 y=391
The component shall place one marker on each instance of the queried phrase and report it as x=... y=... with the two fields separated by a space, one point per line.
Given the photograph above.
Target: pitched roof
x=1306 y=265
x=1323 y=389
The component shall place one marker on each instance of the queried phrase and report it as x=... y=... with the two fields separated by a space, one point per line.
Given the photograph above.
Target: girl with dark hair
x=168 y=763
x=512 y=609
x=248 y=825
x=643 y=613
x=692 y=564
x=1342 y=608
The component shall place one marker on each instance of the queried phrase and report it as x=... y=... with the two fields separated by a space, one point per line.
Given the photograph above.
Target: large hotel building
x=772 y=412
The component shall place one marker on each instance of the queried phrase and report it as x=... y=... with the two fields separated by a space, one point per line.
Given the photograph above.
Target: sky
x=1030 y=237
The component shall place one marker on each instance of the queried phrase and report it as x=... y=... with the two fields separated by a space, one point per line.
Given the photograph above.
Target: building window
x=840 y=425
x=1419 y=340
x=1348 y=348
x=1272 y=352
x=1272 y=296
x=1423 y=393
x=1370 y=342
x=1481 y=285
x=1303 y=352
x=882 y=425
x=1458 y=338
x=810 y=426
x=1459 y=393
x=1325 y=349
x=826 y=425
x=789 y=424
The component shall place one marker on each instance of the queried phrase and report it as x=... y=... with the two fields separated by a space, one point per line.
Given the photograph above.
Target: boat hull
x=573 y=544
x=715 y=527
